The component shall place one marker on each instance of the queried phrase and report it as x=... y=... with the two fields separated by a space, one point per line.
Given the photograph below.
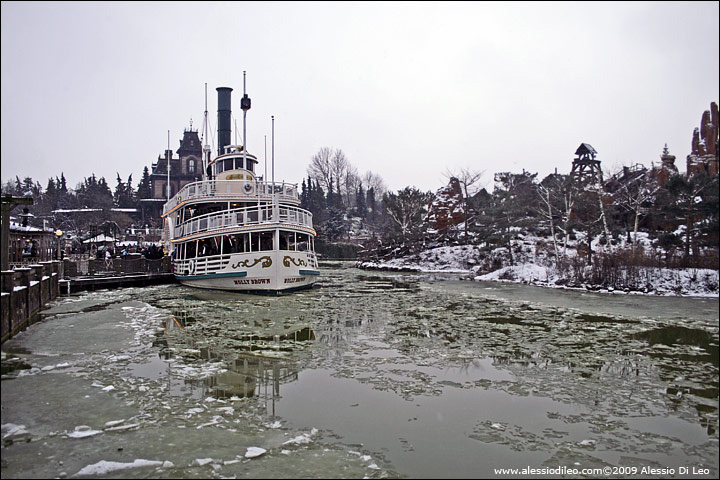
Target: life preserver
x=191 y=267
x=249 y=188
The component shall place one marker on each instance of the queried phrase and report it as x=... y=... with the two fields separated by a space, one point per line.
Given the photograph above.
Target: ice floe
x=103 y=466
x=253 y=452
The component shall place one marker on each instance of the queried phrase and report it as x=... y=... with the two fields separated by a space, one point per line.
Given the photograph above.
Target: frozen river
x=370 y=374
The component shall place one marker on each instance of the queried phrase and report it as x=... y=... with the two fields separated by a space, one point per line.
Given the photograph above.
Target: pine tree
x=360 y=204
x=303 y=195
x=144 y=190
x=120 y=189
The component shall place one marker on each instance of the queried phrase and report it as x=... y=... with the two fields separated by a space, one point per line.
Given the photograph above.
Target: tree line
x=90 y=193
x=679 y=213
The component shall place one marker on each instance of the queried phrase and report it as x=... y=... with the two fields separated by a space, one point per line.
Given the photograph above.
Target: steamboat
x=233 y=229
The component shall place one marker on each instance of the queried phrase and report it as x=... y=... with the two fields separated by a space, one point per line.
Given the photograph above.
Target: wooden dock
x=97 y=282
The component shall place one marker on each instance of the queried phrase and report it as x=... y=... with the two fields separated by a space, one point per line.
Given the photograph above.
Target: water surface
x=368 y=375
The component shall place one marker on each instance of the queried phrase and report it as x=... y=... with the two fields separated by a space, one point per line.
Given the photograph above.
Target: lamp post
x=59 y=234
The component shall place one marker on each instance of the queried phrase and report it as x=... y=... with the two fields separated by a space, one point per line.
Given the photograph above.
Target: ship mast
x=206 y=146
x=245 y=106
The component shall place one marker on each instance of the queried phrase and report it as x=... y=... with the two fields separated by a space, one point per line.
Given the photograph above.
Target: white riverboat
x=234 y=230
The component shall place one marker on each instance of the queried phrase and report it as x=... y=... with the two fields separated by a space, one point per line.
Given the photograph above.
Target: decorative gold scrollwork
x=300 y=262
x=266 y=262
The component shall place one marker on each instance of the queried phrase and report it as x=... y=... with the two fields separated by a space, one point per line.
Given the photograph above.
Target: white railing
x=239 y=217
x=246 y=189
x=216 y=263
x=201 y=265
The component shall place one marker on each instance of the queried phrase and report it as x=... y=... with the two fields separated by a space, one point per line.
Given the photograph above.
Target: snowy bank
x=532 y=267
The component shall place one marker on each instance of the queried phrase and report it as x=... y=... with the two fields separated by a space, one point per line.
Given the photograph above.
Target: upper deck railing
x=243 y=217
x=247 y=190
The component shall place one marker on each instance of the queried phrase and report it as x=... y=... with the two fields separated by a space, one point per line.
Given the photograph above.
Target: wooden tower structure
x=585 y=168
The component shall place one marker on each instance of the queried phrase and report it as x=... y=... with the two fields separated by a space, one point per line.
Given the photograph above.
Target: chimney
x=223 y=118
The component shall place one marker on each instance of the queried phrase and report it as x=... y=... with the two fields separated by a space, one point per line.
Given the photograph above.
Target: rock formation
x=447 y=210
x=703 y=156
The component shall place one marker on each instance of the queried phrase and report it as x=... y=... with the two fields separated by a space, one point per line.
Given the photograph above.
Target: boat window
x=207 y=247
x=285 y=239
x=243 y=242
x=303 y=242
x=190 y=249
x=228 y=164
x=238 y=163
x=267 y=240
x=254 y=242
x=250 y=165
x=227 y=245
x=237 y=244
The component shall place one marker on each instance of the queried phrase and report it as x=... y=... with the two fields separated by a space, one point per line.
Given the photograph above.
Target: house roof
x=99 y=239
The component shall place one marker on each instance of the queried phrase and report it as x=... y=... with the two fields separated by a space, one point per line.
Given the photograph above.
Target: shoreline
x=492 y=277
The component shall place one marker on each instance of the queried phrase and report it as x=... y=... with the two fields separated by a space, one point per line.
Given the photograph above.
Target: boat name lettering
x=252 y=281
x=294 y=279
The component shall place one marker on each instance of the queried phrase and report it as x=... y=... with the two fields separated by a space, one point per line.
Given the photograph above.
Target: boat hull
x=260 y=272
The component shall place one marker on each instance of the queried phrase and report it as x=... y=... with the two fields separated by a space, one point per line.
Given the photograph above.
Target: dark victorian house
x=184 y=169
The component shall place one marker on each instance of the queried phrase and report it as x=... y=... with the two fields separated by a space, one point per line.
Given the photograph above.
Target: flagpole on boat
x=265 y=175
x=168 y=167
x=272 y=157
x=245 y=106
x=206 y=146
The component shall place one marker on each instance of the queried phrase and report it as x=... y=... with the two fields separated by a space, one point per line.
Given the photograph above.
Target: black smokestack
x=223 y=118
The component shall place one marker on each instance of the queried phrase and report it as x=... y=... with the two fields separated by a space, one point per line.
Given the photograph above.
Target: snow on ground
x=532 y=265
x=455 y=259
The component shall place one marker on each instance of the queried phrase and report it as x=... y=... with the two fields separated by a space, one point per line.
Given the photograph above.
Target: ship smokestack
x=223 y=118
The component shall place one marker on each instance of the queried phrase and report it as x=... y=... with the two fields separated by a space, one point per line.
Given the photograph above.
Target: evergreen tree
x=360 y=204
x=514 y=197
x=408 y=209
x=304 y=195
x=120 y=190
x=50 y=199
x=693 y=202
x=144 y=189
x=370 y=203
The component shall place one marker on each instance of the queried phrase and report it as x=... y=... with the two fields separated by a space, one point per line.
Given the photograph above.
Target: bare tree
x=548 y=212
x=634 y=192
x=374 y=181
x=332 y=166
x=320 y=168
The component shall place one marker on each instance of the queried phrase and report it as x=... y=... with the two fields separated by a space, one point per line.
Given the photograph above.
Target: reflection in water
x=422 y=341
x=252 y=354
x=678 y=335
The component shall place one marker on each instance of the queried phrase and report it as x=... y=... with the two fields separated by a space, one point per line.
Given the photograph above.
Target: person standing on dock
x=108 y=259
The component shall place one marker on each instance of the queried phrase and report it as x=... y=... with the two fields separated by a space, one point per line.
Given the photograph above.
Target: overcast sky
x=407 y=90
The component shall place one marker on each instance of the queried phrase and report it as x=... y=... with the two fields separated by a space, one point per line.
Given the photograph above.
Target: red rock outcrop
x=447 y=209
x=703 y=156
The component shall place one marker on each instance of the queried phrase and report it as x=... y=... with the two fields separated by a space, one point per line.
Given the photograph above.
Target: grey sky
x=405 y=89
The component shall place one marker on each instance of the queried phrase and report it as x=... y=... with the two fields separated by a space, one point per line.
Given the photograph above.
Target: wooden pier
x=26 y=290
x=97 y=282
